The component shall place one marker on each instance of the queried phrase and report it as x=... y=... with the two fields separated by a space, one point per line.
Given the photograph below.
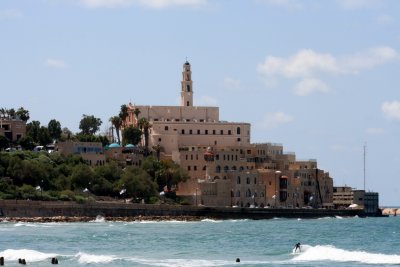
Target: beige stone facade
x=236 y=172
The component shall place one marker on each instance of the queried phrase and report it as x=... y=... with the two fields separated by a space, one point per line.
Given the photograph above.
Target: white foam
x=99 y=219
x=84 y=258
x=28 y=255
x=330 y=253
x=211 y=220
x=338 y=217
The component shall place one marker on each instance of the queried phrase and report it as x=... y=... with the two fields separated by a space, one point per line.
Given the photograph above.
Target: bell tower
x=186 y=86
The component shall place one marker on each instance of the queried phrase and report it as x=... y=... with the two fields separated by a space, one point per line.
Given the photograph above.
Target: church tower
x=187 y=86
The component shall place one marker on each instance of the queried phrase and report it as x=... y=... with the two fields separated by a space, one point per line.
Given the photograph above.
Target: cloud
x=231 y=83
x=359 y=4
x=10 y=14
x=375 y=131
x=146 y=3
x=306 y=64
x=274 y=119
x=391 y=110
x=55 y=63
x=309 y=86
x=289 y=4
x=207 y=101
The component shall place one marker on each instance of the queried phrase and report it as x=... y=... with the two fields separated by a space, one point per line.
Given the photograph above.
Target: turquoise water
x=325 y=242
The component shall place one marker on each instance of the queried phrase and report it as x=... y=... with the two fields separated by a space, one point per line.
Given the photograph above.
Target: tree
x=131 y=135
x=145 y=126
x=89 y=124
x=136 y=111
x=23 y=114
x=116 y=121
x=82 y=176
x=26 y=143
x=123 y=114
x=32 y=130
x=138 y=183
x=44 y=137
x=66 y=134
x=4 y=142
x=54 y=128
x=11 y=113
x=3 y=112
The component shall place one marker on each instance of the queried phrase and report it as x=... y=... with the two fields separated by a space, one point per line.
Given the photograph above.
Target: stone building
x=13 y=129
x=225 y=168
x=91 y=152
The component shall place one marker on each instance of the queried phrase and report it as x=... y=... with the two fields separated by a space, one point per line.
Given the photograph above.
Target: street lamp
x=276 y=192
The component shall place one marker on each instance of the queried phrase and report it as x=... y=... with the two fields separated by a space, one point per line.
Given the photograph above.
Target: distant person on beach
x=297 y=247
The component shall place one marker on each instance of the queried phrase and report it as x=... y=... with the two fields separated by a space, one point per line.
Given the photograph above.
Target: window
x=229 y=132
x=188 y=88
x=255 y=180
x=218 y=169
x=195 y=168
x=206 y=132
x=247 y=180
x=188 y=168
x=190 y=131
x=238 y=180
x=187 y=103
x=159 y=139
x=183 y=131
x=238 y=130
x=166 y=128
x=187 y=157
x=222 y=132
x=238 y=139
x=191 y=157
x=213 y=131
x=198 y=131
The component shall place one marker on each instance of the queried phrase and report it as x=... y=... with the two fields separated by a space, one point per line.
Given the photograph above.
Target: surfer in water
x=297 y=247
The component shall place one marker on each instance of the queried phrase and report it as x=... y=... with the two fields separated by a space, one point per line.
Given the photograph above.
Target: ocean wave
x=84 y=258
x=331 y=253
x=27 y=254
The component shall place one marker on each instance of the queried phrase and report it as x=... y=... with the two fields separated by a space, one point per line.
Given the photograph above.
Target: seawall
x=30 y=209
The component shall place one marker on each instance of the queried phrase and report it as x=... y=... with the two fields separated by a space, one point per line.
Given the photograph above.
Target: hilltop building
x=13 y=129
x=225 y=168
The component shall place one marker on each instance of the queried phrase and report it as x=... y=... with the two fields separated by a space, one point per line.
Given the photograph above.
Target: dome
x=187 y=63
x=129 y=146
x=114 y=145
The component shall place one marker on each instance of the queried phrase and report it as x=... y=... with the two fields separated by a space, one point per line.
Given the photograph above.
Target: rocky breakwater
x=76 y=219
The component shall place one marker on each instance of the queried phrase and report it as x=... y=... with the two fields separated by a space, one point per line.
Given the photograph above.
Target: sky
x=320 y=77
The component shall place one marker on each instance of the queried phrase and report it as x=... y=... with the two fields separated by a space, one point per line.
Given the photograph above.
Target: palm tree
x=144 y=126
x=136 y=111
x=3 y=112
x=123 y=114
x=117 y=123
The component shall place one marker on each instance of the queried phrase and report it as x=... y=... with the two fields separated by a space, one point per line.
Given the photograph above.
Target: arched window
x=226 y=168
x=218 y=169
x=247 y=180
x=238 y=130
x=217 y=157
x=238 y=180
x=248 y=193
x=188 y=88
x=234 y=168
x=238 y=195
x=241 y=168
x=255 y=180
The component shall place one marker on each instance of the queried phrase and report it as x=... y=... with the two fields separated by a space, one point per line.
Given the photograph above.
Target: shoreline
x=76 y=219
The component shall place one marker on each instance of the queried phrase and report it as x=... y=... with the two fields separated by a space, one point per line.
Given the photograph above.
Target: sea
x=324 y=242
